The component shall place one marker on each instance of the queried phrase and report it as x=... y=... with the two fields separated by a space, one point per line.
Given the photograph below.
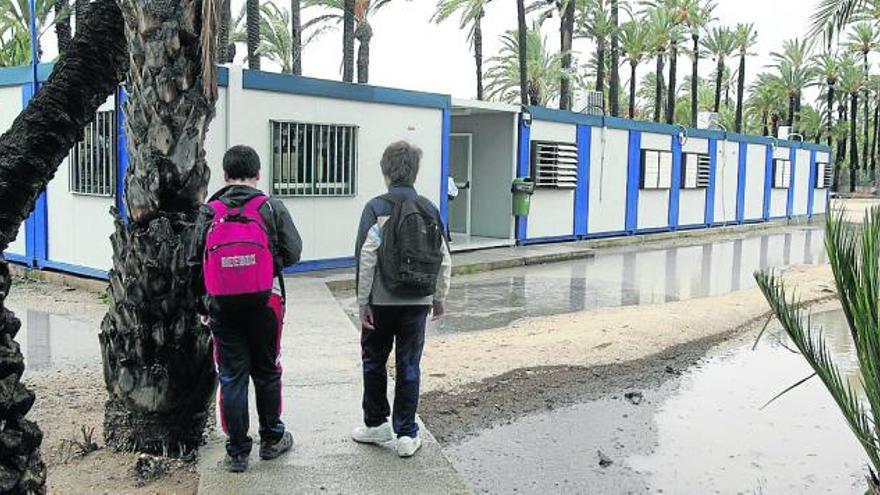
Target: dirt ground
x=72 y=399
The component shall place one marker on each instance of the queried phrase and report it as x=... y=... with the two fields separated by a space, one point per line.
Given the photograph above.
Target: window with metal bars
x=656 y=170
x=93 y=159
x=555 y=165
x=314 y=159
x=695 y=171
x=823 y=175
x=781 y=173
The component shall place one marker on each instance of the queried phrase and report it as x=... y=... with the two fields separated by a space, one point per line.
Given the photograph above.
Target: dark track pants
x=247 y=345
x=402 y=327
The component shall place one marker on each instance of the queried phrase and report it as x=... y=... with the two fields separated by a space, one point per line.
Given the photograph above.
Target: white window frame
x=92 y=167
x=310 y=176
x=781 y=173
x=656 y=169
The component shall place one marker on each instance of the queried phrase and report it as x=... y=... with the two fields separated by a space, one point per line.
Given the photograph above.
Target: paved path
x=322 y=394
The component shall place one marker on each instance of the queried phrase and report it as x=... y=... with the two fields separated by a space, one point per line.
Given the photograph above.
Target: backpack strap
x=251 y=209
x=394 y=199
x=220 y=209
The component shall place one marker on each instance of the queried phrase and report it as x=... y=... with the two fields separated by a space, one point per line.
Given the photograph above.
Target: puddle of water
x=702 y=433
x=624 y=277
x=50 y=341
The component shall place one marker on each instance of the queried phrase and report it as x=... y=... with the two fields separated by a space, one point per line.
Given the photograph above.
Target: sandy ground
x=71 y=399
x=854 y=209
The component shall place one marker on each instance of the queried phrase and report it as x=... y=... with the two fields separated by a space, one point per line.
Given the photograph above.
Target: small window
x=554 y=165
x=93 y=159
x=781 y=174
x=695 y=171
x=656 y=170
x=823 y=175
x=314 y=159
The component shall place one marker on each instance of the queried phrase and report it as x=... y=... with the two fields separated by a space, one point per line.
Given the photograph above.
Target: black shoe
x=236 y=463
x=271 y=450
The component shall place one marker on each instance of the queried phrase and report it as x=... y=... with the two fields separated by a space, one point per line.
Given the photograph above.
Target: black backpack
x=411 y=251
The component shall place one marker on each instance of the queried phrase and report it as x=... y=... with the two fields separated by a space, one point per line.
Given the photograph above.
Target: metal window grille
x=314 y=159
x=554 y=165
x=93 y=159
x=823 y=175
x=781 y=174
x=656 y=170
x=695 y=172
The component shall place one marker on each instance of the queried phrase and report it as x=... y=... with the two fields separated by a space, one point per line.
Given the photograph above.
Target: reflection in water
x=704 y=432
x=51 y=341
x=624 y=277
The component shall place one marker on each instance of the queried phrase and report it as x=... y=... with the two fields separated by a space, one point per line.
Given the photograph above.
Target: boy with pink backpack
x=242 y=242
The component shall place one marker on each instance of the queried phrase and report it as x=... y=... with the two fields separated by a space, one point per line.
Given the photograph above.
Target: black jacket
x=284 y=239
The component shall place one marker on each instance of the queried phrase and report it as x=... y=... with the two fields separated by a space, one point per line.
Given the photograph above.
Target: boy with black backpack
x=243 y=240
x=403 y=273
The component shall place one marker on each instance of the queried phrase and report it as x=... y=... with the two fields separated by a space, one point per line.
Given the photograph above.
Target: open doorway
x=482 y=164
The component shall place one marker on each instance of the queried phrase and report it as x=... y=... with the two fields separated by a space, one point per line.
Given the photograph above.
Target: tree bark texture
x=363 y=34
x=296 y=35
x=566 y=33
x=614 y=93
x=30 y=152
x=62 y=27
x=854 y=143
x=223 y=50
x=658 y=88
x=719 y=75
x=80 y=12
x=158 y=364
x=695 y=79
x=348 y=40
x=522 y=36
x=740 y=90
x=875 y=135
x=252 y=21
x=632 y=89
x=671 y=88
x=841 y=147
x=600 y=67
x=478 y=53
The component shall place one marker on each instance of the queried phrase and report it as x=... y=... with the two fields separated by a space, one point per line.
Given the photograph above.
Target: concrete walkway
x=322 y=396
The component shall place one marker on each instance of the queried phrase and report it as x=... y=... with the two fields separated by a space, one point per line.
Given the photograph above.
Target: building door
x=460 y=165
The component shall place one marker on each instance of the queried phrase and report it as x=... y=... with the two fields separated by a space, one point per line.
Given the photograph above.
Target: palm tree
x=80 y=11
x=647 y=93
x=811 y=125
x=275 y=37
x=566 y=35
x=158 y=366
x=635 y=43
x=826 y=71
x=831 y=16
x=765 y=105
x=33 y=148
x=699 y=15
x=347 y=40
x=595 y=22
x=15 y=20
x=472 y=12
x=852 y=81
x=62 y=25
x=252 y=18
x=522 y=48
x=543 y=70
x=746 y=38
x=792 y=64
x=662 y=31
x=863 y=38
x=296 y=35
x=853 y=254
x=720 y=43
x=223 y=33
x=615 y=59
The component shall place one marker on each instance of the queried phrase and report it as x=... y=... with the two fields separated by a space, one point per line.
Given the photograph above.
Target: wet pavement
x=49 y=341
x=626 y=276
x=702 y=432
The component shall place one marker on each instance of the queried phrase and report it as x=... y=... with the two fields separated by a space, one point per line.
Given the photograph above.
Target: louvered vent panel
x=554 y=165
x=703 y=165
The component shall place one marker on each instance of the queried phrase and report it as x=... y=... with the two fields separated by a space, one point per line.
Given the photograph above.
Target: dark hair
x=241 y=162
x=400 y=163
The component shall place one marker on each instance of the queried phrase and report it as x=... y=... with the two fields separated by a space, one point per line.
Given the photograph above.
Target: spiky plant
x=854 y=254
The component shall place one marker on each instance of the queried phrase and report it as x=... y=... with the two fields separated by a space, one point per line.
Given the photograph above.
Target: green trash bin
x=522 y=189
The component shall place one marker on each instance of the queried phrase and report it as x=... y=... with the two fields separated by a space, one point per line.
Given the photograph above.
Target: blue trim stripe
x=544 y=240
x=444 y=166
x=286 y=83
x=605 y=235
x=582 y=193
x=811 y=187
x=75 y=269
x=523 y=169
x=741 y=183
x=675 y=187
x=17 y=76
x=789 y=206
x=222 y=76
x=632 y=181
x=324 y=264
x=17 y=258
x=713 y=176
x=768 y=181
x=121 y=153
x=564 y=116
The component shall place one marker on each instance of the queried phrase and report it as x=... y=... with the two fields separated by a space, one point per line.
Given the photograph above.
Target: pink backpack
x=238 y=262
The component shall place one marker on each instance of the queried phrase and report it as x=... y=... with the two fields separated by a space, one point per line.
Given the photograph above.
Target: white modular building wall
x=801 y=182
x=10 y=107
x=654 y=203
x=552 y=210
x=778 y=196
x=726 y=180
x=756 y=172
x=820 y=196
x=608 y=175
x=692 y=202
x=79 y=225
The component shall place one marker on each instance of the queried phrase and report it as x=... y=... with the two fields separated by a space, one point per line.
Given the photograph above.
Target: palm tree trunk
x=158 y=364
x=866 y=126
x=830 y=123
x=478 y=52
x=522 y=37
x=841 y=147
x=695 y=79
x=632 y=89
x=363 y=34
x=719 y=75
x=80 y=12
x=764 y=121
x=296 y=35
x=223 y=54
x=600 y=68
x=31 y=150
x=875 y=136
x=658 y=87
x=252 y=20
x=62 y=25
x=348 y=40
x=740 y=91
x=566 y=32
x=671 y=88
x=615 y=61
x=854 y=144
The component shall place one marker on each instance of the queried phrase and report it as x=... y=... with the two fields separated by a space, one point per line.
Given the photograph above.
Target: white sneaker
x=407 y=446
x=377 y=434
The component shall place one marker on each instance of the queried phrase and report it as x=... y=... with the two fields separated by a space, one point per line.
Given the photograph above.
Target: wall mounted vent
x=823 y=175
x=656 y=170
x=554 y=165
x=695 y=171
x=781 y=174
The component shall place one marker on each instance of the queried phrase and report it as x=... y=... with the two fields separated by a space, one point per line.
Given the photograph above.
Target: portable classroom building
x=320 y=143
